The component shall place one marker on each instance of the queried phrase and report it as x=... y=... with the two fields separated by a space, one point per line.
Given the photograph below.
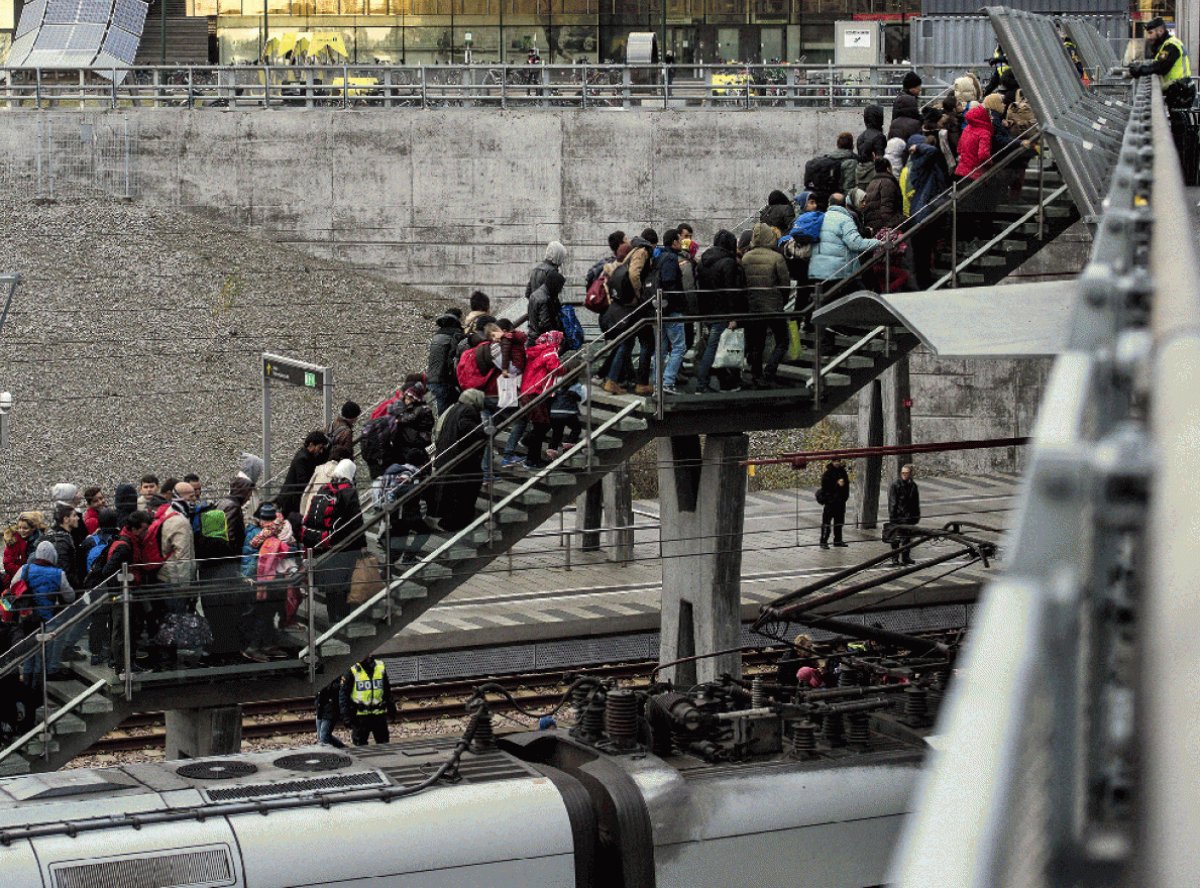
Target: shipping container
x=968 y=41
x=1047 y=7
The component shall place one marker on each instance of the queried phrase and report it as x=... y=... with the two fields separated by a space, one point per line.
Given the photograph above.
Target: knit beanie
x=911 y=79
x=64 y=493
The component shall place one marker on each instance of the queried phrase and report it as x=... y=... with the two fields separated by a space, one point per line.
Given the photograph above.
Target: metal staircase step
x=64 y=691
x=358 y=629
x=971 y=279
x=14 y=766
x=332 y=648
x=37 y=747
x=531 y=496
x=557 y=479
x=433 y=571
x=1013 y=246
x=507 y=515
x=794 y=373
x=67 y=724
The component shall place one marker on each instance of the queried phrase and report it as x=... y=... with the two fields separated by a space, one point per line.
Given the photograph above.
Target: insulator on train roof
x=804 y=737
x=620 y=718
x=916 y=709
x=858 y=732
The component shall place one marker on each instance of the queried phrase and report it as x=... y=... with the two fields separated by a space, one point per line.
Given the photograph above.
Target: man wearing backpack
x=544 y=308
x=333 y=516
x=556 y=257
x=644 y=277
x=96 y=546
x=123 y=551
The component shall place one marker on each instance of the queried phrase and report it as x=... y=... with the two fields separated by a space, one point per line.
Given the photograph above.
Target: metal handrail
x=48 y=721
x=583 y=85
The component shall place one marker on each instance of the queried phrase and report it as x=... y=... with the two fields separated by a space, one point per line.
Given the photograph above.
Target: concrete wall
x=464 y=196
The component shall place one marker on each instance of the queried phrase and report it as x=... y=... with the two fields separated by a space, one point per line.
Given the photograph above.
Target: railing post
x=266 y=86
x=817 y=330
x=490 y=475
x=504 y=86
x=127 y=630
x=387 y=571
x=830 y=70
x=954 y=235
x=191 y=87
x=666 y=86
x=345 y=87
x=312 y=626
x=37 y=89
x=587 y=395
x=45 y=698
x=625 y=84
x=1041 y=232
x=424 y=83
x=113 y=89
x=659 y=357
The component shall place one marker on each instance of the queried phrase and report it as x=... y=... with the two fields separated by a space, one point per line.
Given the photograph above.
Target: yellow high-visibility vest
x=1182 y=67
x=367 y=695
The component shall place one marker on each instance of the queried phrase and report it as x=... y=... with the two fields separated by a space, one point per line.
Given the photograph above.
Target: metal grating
x=487 y=767
x=208 y=868
x=295 y=787
x=1083 y=131
x=217 y=770
x=313 y=761
x=1099 y=55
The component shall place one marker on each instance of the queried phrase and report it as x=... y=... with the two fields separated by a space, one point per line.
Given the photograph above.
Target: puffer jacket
x=906 y=117
x=975 y=145
x=720 y=278
x=849 y=163
x=442 y=347
x=541 y=363
x=882 y=206
x=927 y=176
x=836 y=256
x=871 y=141
x=766 y=271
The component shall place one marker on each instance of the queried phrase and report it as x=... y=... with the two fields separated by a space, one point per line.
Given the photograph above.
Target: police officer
x=1169 y=60
x=1003 y=80
x=366 y=701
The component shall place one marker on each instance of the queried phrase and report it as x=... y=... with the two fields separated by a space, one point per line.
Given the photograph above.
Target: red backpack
x=597 y=295
x=152 y=554
x=381 y=409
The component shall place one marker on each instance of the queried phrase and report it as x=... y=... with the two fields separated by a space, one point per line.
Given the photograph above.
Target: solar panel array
x=100 y=34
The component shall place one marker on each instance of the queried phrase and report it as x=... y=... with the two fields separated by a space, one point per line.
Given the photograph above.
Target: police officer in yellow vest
x=366 y=700
x=1169 y=60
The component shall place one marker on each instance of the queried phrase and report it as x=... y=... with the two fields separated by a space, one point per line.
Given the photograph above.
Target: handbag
x=821 y=498
x=731 y=349
x=10 y=609
x=366 y=581
x=508 y=389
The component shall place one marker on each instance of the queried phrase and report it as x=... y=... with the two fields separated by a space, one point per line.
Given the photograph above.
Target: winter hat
x=64 y=493
x=806 y=675
x=252 y=467
x=556 y=253
x=911 y=79
x=125 y=500
x=350 y=410
x=551 y=336
x=45 y=552
x=416 y=391
x=266 y=512
x=777 y=198
x=345 y=469
x=109 y=519
x=994 y=102
x=1156 y=22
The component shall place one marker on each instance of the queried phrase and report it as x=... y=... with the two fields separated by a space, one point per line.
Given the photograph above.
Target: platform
x=540 y=600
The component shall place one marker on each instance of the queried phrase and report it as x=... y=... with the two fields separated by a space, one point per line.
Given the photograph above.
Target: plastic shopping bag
x=508 y=388
x=731 y=348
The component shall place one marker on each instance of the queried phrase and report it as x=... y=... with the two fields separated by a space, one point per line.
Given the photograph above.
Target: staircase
x=187 y=36
x=509 y=508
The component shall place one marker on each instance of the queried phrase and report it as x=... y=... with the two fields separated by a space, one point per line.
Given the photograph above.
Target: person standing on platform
x=1169 y=60
x=904 y=508
x=366 y=701
x=328 y=703
x=835 y=492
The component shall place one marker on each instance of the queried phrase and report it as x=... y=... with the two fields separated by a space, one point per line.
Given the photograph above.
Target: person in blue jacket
x=836 y=255
x=48 y=591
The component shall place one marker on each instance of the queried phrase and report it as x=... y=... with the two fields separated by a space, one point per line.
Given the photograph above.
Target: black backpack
x=823 y=175
x=377 y=437
x=651 y=279
x=97 y=573
x=318 y=520
x=620 y=286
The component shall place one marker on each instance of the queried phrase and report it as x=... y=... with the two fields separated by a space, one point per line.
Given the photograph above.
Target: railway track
x=415 y=703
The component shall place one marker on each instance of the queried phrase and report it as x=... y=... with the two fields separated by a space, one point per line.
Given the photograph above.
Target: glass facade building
x=434 y=32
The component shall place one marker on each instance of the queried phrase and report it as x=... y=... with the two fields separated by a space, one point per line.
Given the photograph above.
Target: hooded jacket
x=975 y=145
x=442 y=349
x=48 y=584
x=720 y=278
x=882 y=206
x=178 y=547
x=766 y=271
x=556 y=255
x=640 y=253
x=541 y=362
x=871 y=141
x=544 y=309
x=779 y=212
x=927 y=176
x=906 y=116
x=836 y=256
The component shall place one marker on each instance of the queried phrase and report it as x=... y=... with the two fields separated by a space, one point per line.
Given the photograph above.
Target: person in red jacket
x=541 y=367
x=975 y=144
x=94 y=497
x=20 y=541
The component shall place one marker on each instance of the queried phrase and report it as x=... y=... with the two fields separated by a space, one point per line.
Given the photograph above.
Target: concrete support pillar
x=703 y=506
x=901 y=398
x=589 y=514
x=196 y=733
x=618 y=512
x=870 y=470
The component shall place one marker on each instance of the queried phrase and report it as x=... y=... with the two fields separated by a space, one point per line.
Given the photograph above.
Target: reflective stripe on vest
x=367 y=695
x=1182 y=67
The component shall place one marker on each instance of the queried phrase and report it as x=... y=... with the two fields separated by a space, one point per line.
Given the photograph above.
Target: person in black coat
x=904 y=508
x=872 y=143
x=328 y=704
x=544 y=309
x=722 y=291
x=455 y=488
x=835 y=492
x=300 y=472
x=440 y=371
